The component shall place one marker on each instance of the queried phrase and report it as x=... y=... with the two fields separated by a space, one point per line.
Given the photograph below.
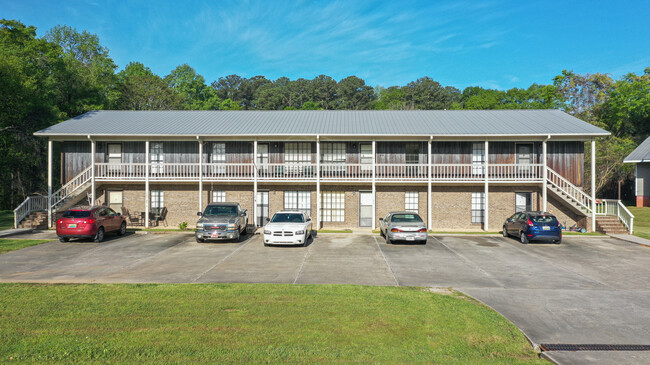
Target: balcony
x=280 y=172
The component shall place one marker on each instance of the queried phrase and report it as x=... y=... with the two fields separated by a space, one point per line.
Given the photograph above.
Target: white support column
x=486 y=212
x=147 y=196
x=255 y=183
x=374 y=187
x=318 y=173
x=200 y=174
x=50 y=215
x=544 y=177
x=593 y=185
x=429 y=203
x=93 y=148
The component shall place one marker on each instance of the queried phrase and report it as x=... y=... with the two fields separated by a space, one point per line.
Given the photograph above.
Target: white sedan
x=287 y=227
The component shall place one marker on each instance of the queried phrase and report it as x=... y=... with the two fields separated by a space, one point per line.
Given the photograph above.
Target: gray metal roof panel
x=640 y=154
x=324 y=122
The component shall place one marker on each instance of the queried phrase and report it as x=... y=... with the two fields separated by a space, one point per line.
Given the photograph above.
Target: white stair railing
x=70 y=187
x=613 y=207
x=31 y=204
x=572 y=191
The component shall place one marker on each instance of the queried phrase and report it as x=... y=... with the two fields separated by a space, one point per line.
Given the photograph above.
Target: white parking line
x=222 y=260
x=304 y=259
x=472 y=263
x=386 y=261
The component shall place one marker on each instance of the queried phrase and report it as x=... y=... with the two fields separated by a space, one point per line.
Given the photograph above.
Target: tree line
x=65 y=73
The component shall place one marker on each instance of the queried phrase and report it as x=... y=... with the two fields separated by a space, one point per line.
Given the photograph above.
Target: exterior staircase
x=35 y=220
x=610 y=225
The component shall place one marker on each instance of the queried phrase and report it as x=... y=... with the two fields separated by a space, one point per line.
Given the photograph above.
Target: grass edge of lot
x=8 y=244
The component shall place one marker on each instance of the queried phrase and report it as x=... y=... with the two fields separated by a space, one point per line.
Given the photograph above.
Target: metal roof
x=325 y=123
x=640 y=154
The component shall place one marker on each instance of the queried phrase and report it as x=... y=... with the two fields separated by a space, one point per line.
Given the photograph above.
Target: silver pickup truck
x=221 y=221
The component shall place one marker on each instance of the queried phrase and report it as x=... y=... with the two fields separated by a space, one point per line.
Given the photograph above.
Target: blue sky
x=495 y=44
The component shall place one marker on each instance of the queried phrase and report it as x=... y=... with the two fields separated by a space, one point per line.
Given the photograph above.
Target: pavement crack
x=390 y=268
x=220 y=261
x=304 y=259
x=472 y=263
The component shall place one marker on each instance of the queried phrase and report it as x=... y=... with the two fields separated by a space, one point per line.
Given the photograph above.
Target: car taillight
x=396 y=230
x=530 y=223
x=60 y=221
x=422 y=230
x=90 y=221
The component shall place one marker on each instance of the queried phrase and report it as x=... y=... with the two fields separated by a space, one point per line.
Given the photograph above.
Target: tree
x=353 y=93
x=228 y=87
x=425 y=93
x=583 y=94
x=141 y=89
x=626 y=113
x=191 y=87
x=322 y=91
x=393 y=98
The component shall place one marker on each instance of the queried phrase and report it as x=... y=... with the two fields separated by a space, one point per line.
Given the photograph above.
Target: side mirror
x=268 y=219
x=119 y=214
x=199 y=214
x=308 y=219
x=242 y=214
x=509 y=220
x=381 y=219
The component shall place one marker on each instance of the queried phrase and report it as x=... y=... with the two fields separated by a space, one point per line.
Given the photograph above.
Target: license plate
x=74 y=225
x=410 y=238
x=215 y=235
x=546 y=228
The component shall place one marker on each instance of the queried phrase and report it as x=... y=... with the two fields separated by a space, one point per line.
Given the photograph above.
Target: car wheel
x=381 y=233
x=244 y=231
x=388 y=241
x=505 y=232
x=557 y=242
x=122 y=230
x=199 y=240
x=266 y=245
x=100 y=235
x=63 y=239
x=523 y=238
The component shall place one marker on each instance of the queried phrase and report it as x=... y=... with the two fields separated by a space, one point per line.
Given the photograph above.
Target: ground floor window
x=478 y=207
x=218 y=196
x=115 y=200
x=523 y=202
x=157 y=201
x=298 y=200
x=333 y=206
x=411 y=201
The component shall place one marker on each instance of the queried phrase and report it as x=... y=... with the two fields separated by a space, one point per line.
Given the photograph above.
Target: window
x=478 y=158
x=297 y=152
x=478 y=207
x=333 y=206
x=524 y=154
x=333 y=152
x=523 y=202
x=157 y=201
x=412 y=153
x=411 y=201
x=115 y=199
x=218 y=196
x=298 y=200
x=365 y=157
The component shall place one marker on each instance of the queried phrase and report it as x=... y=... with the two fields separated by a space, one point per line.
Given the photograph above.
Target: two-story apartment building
x=461 y=170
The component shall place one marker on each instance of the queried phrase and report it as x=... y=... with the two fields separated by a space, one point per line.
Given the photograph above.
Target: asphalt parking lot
x=588 y=290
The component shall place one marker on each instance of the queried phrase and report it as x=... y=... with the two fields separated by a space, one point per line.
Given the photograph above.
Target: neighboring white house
x=641 y=157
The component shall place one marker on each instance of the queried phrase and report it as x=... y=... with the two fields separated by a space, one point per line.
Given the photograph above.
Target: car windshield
x=406 y=218
x=76 y=214
x=288 y=218
x=220 y=210
x=543 y=219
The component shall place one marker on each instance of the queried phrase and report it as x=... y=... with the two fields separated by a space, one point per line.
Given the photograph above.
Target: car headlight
x=300 y=232
x=199 y=225
x=267 y=232
x=232 y=226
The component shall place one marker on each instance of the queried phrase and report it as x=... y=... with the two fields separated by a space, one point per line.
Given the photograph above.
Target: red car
x=89 y=223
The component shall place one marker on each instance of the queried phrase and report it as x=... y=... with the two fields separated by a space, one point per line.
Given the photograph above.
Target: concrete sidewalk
x=633 y=239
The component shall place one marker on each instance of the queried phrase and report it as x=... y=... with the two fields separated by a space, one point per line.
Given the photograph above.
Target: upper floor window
x=297 y=152
x=412 y=153
x=478 y=158
x=157 y=157
x=218 y=153
x=333 y=152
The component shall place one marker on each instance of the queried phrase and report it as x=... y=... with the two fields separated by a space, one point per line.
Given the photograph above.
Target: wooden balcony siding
x=567 y=158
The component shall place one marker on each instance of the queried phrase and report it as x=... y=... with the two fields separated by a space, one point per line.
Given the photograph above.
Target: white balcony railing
x=328 y=172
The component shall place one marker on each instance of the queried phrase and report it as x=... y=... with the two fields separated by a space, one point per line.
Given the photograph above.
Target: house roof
x=463 y=123
x=640 y=154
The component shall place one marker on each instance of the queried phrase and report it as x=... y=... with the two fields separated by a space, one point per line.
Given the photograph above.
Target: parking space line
x=222 y=260
x=304 y=259
x=390 y=268
x=472 y=263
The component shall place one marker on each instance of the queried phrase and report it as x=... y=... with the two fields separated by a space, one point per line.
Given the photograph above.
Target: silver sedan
x=403 y=226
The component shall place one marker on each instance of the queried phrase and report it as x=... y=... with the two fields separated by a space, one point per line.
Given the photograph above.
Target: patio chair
x=161 y=216
x=134 y=219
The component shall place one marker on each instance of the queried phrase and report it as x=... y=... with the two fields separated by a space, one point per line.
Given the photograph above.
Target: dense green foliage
x=44 y=81
x=244 y=323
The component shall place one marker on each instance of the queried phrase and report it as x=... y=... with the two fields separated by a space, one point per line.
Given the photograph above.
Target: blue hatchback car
x=529 y=226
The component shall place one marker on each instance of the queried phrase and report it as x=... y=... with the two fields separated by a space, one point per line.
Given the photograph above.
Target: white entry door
x=365 y=209
x=262 y=208
x=157 y=158
x=114 y=156
x=263 y=158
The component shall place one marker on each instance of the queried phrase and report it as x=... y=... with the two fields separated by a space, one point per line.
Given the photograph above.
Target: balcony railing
x=328 y=172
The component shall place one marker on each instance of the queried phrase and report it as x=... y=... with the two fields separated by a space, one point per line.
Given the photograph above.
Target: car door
x=114 y=219
x=511 y=222
x=101 y=219
x=521 y=222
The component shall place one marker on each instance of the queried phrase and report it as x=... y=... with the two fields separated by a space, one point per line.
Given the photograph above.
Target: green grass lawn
x=641 y=221
x=7 y=245
x=6 y=219
x=251 y=323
